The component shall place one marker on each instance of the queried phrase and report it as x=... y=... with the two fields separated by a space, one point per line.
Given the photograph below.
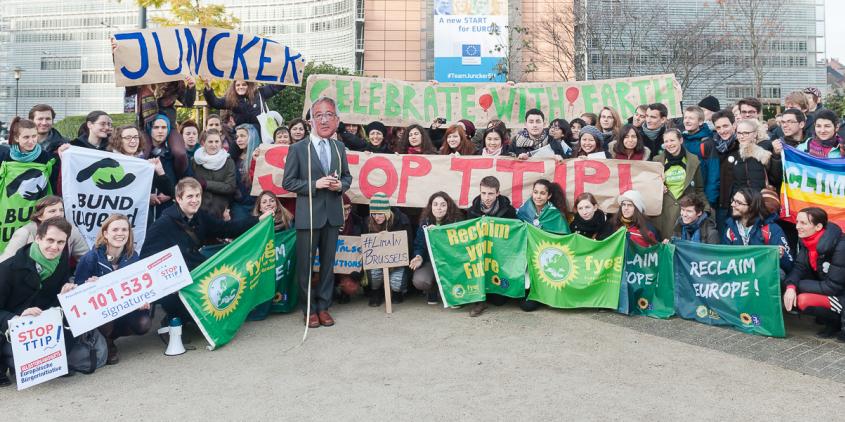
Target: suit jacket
x=327 y=204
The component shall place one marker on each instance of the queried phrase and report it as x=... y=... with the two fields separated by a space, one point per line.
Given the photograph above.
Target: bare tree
x=512 y=41
x=754 y=23
x=553 y=43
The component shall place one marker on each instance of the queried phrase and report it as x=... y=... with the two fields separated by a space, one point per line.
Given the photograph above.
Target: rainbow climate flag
x=812 y=182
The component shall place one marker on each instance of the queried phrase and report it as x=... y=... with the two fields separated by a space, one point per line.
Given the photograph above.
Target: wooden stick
x=388 y=305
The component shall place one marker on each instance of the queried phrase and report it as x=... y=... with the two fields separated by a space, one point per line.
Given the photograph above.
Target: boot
x=4 y=379
x=376 y=297
x=397 y=297
x=113 y=358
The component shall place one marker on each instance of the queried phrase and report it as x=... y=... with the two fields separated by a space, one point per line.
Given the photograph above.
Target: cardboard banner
x=475 y=257
x=729 y=285
x=347 y=256
x=812 y=182
x=409 y=180
x=21 y=186
x=118 y=293
x=148 y=56
x=385 y=250
x=38 y=347
x=400 y=103
x=96 y=184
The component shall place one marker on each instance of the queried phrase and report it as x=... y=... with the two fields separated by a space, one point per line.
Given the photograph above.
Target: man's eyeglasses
x=734 y=201
x=324 y=116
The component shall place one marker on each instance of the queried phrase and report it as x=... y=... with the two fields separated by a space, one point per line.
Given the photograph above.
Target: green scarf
x=46 y=267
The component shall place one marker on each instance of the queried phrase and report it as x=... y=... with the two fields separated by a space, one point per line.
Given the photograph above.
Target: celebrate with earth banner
x=401 y=103
x=713 y=284
x=408 y=180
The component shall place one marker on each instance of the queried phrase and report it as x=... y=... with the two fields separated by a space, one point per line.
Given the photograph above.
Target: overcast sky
x=835 y=29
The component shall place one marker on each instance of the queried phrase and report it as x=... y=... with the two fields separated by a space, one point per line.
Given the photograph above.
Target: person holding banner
x=546 y=209
x=632 y=216
x=317 y=171
x=589 y=219
x=113 y=250
x=533 y=137
x=631 y=147
x=750 y=224
x=45 y=209
x=48 y=136
x=31 y=280
x=186 y=226
x=590 y=141
x=489 y=202
x=377 y=139
x=825 y=143
x=440 y=210
x=384 y=218
x=694 y=223
x=610 y=125
x=816 y=284
x=215 y=171
x=24 y=148
x=94 y=132
x=244 y=99
x=681 y=176
x=493 y=143
x=457 y=142
x=415 y=141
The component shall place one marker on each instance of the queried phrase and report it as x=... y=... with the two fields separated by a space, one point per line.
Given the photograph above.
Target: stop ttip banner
x=96 y=184
x=409 y=180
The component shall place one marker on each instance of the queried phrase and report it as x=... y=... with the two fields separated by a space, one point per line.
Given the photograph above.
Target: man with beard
x=749 y=226
x=48 y=137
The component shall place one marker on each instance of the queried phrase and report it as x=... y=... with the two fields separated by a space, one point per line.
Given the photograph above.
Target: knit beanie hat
x=710 y=103
x=470 y=127
x=379 y=204
x=592 y=130
x=379 y=126
x=813 y=91
x=635 y=197
x=771 y=201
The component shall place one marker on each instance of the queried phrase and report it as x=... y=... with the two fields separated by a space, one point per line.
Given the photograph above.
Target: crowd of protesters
x=722 y=173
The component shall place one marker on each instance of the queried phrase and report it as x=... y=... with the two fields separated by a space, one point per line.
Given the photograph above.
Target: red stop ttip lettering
x=274 y=157
x=599 y=174
x=34 y=333
x=518 y=168
x=466 y=166
x=422 y=168
x=377 y=163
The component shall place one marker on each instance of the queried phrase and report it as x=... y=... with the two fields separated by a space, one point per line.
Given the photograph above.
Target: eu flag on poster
x=470 y=54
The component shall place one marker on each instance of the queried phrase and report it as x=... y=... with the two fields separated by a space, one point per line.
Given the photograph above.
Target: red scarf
x=811 y=243
x=414 y=150
x=634 y=156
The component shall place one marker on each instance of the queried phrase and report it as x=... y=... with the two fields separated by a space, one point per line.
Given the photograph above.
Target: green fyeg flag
x=228 y=285
x=573 y=271
x=475 y=257
x=287 y=291
x=22 y=184
x=648 y=281
x=729 y=285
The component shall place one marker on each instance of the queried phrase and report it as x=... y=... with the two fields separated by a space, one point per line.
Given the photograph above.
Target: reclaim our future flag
x=648 y=281
x=729 y=285
x=96 y=184
x=22 y=184
x=479 y=256
x=572 y=271
x=812 y=182
x=230 y=284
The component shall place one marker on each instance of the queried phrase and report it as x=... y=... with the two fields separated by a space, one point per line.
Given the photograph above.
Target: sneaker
x=477 y=309
x=433 y=298
x=829 y=331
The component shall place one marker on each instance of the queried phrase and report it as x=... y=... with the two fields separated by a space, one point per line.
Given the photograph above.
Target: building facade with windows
x=62 y=46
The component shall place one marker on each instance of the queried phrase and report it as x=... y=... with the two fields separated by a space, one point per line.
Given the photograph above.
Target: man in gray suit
x=317 y=171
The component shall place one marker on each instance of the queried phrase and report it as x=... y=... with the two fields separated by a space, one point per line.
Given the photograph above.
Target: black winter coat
x=830 y=264
x=754 y=168
x=173 y=228
x=245 y=111
x=506 y=210
x=21 y=287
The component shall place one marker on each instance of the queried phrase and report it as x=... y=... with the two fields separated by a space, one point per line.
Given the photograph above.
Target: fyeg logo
x=107 y=174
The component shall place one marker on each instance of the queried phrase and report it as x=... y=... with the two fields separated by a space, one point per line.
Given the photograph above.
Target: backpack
x=88 y=353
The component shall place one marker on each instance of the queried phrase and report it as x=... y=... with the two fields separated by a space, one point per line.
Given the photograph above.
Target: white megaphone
x=174 y=345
